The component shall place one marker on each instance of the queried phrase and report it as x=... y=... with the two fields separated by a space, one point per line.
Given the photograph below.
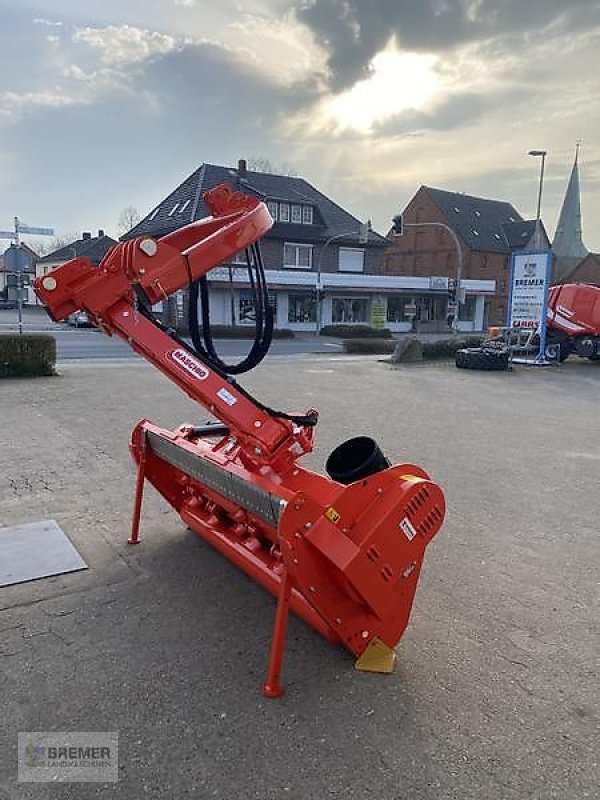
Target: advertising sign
x=378 y=312
x=528 y=305
x=529 y=289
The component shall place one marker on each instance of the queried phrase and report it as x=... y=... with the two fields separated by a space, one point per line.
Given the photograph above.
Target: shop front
x=399 y=303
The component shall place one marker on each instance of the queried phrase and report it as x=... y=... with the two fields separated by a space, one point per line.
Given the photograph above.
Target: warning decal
x=408 y=529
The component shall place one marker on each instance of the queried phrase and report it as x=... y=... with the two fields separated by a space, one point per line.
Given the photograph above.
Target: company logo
x=190 y=364
x=530 y=269
x=68 y=756
x=35 y=755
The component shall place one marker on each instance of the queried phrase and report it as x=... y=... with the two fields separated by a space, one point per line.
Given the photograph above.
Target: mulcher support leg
x=134 y=537
x=272 y=686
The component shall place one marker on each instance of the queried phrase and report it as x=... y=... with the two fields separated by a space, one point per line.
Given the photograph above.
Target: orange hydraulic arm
x=157 y=269
x=344 y=552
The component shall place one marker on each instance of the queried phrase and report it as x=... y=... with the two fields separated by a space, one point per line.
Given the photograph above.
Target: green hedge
x=355 y=332
x=446 y=348
x=28 y=355
x=376 y=346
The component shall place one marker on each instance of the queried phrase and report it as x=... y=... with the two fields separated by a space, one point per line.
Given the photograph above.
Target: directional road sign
x=35 y=231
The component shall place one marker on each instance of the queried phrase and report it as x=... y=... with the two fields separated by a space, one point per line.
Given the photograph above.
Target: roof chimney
x=86 y=235
x=242 y=168
x=100 y=233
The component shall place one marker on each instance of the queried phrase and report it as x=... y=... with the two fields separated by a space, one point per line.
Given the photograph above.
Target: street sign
x=17 y=259
x=410 y=310
x=34 y=230
x=439 y=283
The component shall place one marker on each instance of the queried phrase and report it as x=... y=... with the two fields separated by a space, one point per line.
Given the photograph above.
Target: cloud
x=125 y=44
x=49 y=23
x=13 y=104
x=281 y=49
x=354 y=31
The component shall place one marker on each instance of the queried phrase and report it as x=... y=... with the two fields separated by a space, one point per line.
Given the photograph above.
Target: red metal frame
x=346 y=559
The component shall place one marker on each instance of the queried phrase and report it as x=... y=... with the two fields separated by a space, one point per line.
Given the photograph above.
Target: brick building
x=586 y=271
x=487 y=231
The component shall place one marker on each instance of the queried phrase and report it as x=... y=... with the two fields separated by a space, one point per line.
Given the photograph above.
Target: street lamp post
x=363 y=236
x=459 y=261
x=538 y=227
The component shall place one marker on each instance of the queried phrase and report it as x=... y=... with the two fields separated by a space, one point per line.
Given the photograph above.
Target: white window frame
x=353 y=250
x=272 y=206
x=299 y=247
x=296 y=214
x=284 y=212
x=307 y=215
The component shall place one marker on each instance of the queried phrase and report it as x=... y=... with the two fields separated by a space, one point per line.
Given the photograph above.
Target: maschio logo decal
x=185 y=360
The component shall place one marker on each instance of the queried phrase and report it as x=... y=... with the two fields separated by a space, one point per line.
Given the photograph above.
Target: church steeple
x=568 y=244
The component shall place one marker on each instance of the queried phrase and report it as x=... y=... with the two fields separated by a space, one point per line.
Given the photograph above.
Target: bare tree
x=128 y=219
x=263 y=164
x=46 y=246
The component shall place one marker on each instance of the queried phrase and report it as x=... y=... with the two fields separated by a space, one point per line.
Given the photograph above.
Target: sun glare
x=399 y=81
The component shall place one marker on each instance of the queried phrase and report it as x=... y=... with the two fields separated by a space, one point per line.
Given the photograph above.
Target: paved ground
x=88 y=343
x=496 y=691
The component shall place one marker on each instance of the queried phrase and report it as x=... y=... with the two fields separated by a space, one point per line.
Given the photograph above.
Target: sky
x=106 y=104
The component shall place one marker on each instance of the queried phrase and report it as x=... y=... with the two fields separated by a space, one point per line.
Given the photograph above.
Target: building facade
x=321 y=262
x=449 y=236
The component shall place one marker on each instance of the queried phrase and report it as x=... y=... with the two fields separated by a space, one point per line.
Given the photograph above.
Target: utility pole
x=400 y=225
x=17 y=262
x=363 y=237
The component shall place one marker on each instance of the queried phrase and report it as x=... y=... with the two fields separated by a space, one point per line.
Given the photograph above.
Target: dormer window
x=272 y=206
x=307 y=215
x=296 y=213
x=284 y=212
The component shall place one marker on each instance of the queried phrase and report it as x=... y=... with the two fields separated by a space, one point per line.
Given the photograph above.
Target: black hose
x=203 y=344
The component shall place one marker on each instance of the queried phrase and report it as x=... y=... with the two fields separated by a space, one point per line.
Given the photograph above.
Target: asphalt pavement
x=74 y=344
x=495 y=694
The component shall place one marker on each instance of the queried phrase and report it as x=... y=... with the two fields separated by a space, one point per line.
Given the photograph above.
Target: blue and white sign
x=531 y=274
x=530 y=281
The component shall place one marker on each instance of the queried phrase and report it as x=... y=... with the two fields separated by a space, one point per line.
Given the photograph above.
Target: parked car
x=79 y=319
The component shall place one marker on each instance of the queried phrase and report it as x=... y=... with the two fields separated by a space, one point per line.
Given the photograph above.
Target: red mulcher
x=343 y=552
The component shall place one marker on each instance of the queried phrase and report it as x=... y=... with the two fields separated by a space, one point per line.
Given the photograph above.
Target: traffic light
x=398 y=225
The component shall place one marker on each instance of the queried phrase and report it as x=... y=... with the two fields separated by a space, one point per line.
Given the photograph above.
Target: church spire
x=567 y=242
